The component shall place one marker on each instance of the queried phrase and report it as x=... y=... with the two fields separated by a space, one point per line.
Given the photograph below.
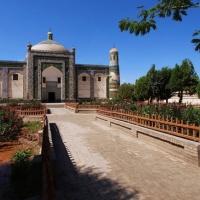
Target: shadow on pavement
x=21 y=183
x=82 y=184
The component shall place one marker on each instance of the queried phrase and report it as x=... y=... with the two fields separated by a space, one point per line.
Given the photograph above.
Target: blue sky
x=91 y=27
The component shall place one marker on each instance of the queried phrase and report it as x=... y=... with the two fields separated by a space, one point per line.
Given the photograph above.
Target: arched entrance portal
x=51 y=84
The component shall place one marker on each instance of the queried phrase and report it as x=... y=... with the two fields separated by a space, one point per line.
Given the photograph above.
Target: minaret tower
x=114 y=75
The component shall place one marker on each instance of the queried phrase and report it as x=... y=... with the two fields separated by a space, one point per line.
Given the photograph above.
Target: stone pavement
x=94 y=161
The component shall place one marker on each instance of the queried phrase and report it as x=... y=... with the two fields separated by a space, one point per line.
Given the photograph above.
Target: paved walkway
x=95 y=161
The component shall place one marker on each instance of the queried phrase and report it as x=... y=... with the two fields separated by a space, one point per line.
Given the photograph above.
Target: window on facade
x=99 y=78
x=44 y=80
x=84 y=78
x=59 y=80
x=15 y=77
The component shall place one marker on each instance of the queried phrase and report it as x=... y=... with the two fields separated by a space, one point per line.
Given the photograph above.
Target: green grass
x=33 y=127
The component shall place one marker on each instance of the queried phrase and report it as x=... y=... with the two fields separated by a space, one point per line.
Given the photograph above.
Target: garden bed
x=29 y=137
x=17 y=137
x=165 y=124
x=8 y=149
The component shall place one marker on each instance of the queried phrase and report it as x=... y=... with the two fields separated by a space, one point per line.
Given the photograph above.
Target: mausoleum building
x=50 y=74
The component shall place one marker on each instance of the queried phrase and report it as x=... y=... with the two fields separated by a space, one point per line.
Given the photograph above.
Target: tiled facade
x=50 y=73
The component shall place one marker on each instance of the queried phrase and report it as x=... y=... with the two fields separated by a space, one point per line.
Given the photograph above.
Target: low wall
x=71 y=108
x=48 y=186
x=54 y=105
x=179 y=147
x=32 y=118
x=86 y=110
x=81 y=108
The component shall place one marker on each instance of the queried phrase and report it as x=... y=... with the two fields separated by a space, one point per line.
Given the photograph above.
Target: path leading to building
x=94 y=161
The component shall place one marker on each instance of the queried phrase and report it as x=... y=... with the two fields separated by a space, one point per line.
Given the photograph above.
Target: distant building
x=50 y=74
x=187 y=99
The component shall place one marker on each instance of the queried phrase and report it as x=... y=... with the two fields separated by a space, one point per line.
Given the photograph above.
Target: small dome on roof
x=49 y=46
x=113 y=50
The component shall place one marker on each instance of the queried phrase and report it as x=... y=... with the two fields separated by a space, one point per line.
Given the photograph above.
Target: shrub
x=166 y=112
x=12 y=101
x=26 y=175
x=10 y=125
x=20 y=166
x=191 y=115
x=33 y=127
x=21 y=157
x=149 y=110
x=21 y=102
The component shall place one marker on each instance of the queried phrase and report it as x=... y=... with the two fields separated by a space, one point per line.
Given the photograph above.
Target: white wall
x=16 y=86
x=84 y=86
x=188 y=99
x=100 y=86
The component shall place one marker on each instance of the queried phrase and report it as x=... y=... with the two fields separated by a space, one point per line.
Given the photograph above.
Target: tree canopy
x=126 y=92
x=142 y=88
x=163 y=78
x=198 y=89
x=174 y=9
x=184 y=79
x=155 y=85
x=164 y=83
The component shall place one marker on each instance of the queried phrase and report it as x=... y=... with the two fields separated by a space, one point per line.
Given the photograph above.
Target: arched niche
x=84 y=85
x=100 y=81
x=52 y=74
x=52 y=79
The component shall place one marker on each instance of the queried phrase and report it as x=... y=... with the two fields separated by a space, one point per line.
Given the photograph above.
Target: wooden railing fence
x=31 y=112
x=167 y=125
x=26 y=112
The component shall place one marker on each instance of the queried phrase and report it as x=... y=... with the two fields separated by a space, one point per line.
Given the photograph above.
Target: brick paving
x=94 y=161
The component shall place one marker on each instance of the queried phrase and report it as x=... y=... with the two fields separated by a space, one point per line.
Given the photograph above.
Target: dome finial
x=50 y=35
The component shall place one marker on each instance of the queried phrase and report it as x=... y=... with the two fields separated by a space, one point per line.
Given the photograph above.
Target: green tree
x=163 y=78
x=184 y=79
x=175 y=9
x=198 y=89
x=126 y=92
x=141 y=88
x=152 y=83
x=157 y=83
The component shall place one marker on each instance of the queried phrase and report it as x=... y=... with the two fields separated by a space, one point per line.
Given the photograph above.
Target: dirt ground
x=8 y=149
